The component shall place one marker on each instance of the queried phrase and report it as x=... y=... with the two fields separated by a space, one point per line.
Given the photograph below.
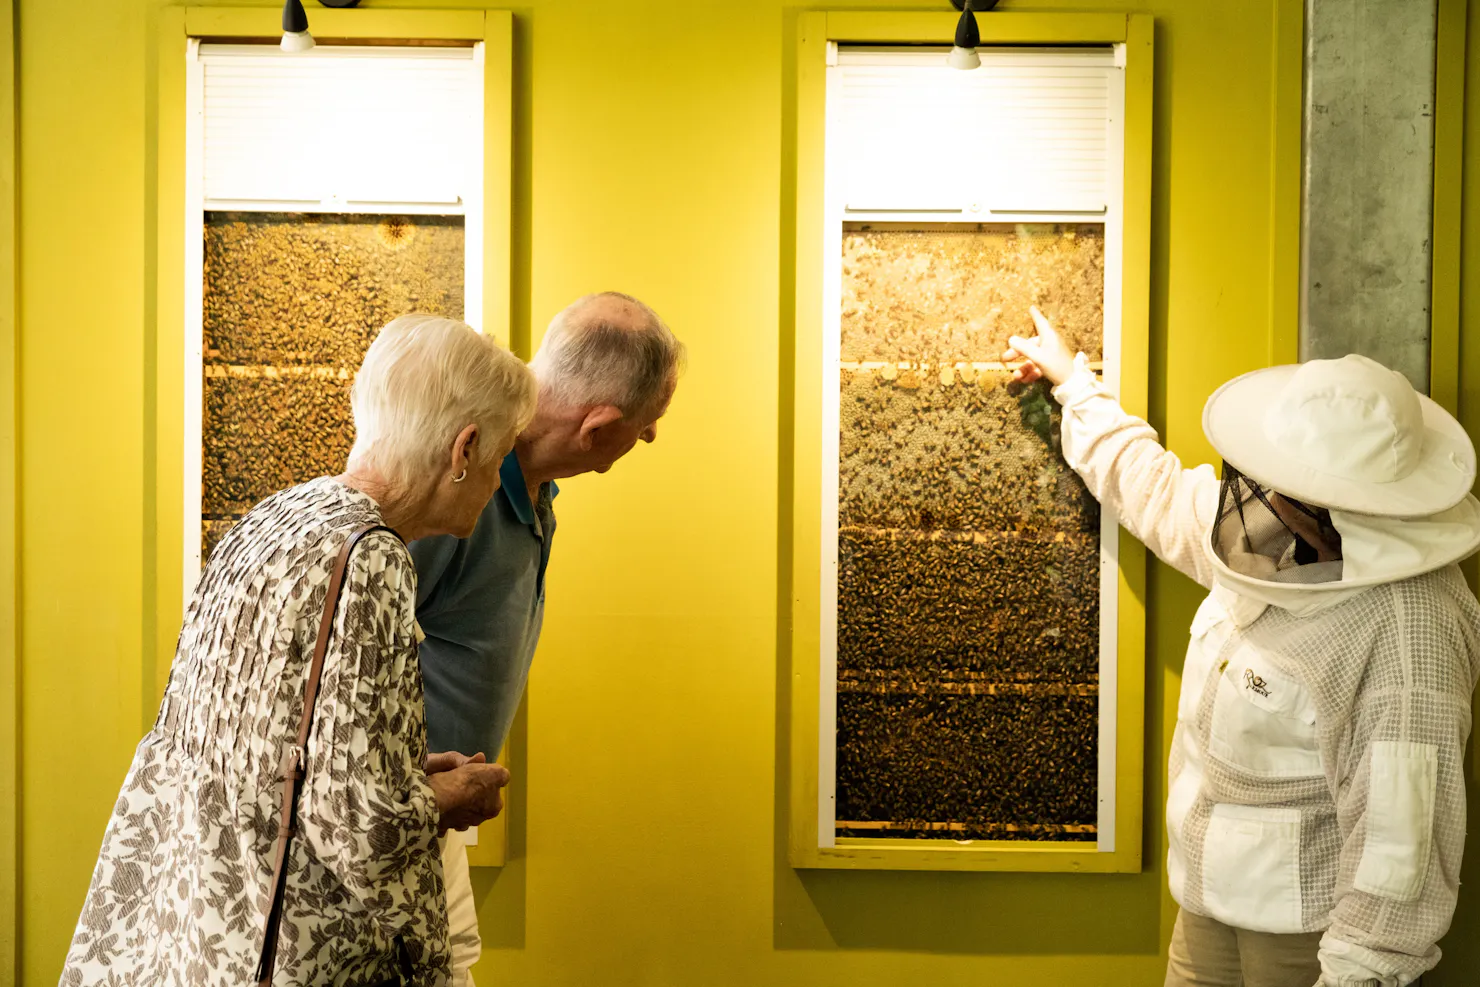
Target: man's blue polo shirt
x=480 y=602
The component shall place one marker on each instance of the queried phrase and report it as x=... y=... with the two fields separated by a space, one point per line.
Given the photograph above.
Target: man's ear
x=598 y=417
x=464 y=448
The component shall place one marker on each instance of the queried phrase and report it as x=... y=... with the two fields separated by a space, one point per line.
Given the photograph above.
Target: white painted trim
x=832 y=328
x=335 y=206
x=1113 y=308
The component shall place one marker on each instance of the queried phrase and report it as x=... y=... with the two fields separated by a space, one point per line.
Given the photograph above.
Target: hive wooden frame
x=816 y=29
x=166 y=401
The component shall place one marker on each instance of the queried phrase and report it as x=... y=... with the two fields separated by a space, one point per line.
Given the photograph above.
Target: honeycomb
x=291 y=303
x=968 y=551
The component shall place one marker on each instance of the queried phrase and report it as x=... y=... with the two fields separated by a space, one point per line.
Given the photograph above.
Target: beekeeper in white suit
x=1316 y=805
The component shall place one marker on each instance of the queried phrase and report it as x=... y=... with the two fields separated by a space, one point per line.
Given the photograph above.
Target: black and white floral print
x=182 y=884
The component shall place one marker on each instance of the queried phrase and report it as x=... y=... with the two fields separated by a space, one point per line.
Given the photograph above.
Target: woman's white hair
x=589 y=358
x=425 y=379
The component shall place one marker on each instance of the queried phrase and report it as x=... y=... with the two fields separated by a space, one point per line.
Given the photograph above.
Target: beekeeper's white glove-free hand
x=1045 y=353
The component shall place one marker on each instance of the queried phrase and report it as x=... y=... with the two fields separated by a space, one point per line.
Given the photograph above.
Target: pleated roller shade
x=340 y=128
x=1029 y=131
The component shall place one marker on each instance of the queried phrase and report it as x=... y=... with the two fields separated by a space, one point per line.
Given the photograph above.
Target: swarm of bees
x=987 y=767
x=968 y=551
x=291 y=303
x=263 y=434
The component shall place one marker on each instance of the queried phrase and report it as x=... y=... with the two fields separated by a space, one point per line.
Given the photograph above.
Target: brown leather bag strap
x=294 y=761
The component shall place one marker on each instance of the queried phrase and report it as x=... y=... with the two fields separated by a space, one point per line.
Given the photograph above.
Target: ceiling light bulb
x=963 y=55
x=295 y=27
x=963 y=58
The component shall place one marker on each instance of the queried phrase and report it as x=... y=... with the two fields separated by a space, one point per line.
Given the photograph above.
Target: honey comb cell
x=211 y=533
x=948 y=295
x=1007 y=605
x=291 y=303
x=955 y=457
x=270 y=434
x=968 y=578
x=286 y=288
x=934 y=766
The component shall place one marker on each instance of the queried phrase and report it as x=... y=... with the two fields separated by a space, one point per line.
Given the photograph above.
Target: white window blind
x=340 y=128
x=1029 y=131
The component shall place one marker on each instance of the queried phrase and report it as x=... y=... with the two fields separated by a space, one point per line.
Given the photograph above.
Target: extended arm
x=1121 y=460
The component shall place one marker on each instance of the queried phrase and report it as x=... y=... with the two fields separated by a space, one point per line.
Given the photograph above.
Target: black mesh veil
x=1249 y=523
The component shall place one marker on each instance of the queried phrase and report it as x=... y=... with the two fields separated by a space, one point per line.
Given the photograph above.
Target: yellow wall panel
x=1456 y=334
x=9 y=449
x=653 y=153
x=82 y=286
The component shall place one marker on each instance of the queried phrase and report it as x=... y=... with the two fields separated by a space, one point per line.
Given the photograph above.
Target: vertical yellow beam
x=1454 y=355
x=81 y=366
x=492 y=849
x=1449 y=166
x=1134 y=387
x=1135 y=342
x=9 y=545
x=498 y=174
x=1288 y=63
x=167 y=380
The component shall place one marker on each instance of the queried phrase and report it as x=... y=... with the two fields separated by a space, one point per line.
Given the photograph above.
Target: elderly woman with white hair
x=257 y=821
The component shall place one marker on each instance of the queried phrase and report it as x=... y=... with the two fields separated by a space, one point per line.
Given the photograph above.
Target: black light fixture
x=963 y=53
x=295 y=27
x=295 y=23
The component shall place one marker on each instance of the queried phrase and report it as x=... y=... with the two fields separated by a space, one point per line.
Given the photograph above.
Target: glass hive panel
x=291 y=303
x=968 y=575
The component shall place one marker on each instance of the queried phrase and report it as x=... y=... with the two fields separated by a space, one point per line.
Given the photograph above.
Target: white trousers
x=462 y=912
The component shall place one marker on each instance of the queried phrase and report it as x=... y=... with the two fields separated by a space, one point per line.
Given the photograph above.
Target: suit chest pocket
x=1264 y=722
x=1210 y=629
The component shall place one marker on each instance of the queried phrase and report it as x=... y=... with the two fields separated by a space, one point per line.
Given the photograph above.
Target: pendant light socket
x=295 y=27
x=968 y=37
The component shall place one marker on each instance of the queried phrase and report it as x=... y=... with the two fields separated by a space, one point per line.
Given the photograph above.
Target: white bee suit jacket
x=1316 y=772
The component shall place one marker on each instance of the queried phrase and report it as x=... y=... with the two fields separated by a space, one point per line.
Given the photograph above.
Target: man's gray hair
x=588 y=359
x=425 y=379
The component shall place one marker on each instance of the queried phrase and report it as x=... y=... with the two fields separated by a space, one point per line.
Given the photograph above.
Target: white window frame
x=836 y=214
x=470 y=207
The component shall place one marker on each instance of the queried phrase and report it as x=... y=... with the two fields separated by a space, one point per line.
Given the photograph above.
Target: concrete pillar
x=1367 y=194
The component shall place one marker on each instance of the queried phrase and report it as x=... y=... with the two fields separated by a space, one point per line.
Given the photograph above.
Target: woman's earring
x=461 y=476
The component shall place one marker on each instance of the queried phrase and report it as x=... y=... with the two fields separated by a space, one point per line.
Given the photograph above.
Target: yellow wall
x=652 y=155
x=1461 y=964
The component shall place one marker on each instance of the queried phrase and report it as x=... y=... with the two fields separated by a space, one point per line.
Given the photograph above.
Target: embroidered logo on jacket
x=1256 y=683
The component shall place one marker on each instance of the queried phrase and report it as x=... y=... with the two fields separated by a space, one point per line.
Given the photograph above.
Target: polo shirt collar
x=511 y=483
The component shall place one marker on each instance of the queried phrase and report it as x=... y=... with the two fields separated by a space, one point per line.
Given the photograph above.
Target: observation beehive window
x=968 y=553
x=291 y=303
x=317 y=227
x=968 y=605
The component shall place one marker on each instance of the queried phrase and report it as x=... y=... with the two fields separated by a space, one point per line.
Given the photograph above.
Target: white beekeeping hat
x=1391 y=467
x=1348 y=435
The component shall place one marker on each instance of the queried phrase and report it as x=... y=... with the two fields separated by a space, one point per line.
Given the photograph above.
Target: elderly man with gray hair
x=606 y=370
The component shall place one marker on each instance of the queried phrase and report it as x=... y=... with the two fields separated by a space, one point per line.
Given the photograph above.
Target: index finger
x=1045 y=328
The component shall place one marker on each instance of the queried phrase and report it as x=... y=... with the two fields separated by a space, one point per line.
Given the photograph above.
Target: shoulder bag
x=294 y=763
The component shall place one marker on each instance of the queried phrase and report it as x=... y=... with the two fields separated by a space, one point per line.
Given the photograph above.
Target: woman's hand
x=469 y=790
x=1045 y=354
